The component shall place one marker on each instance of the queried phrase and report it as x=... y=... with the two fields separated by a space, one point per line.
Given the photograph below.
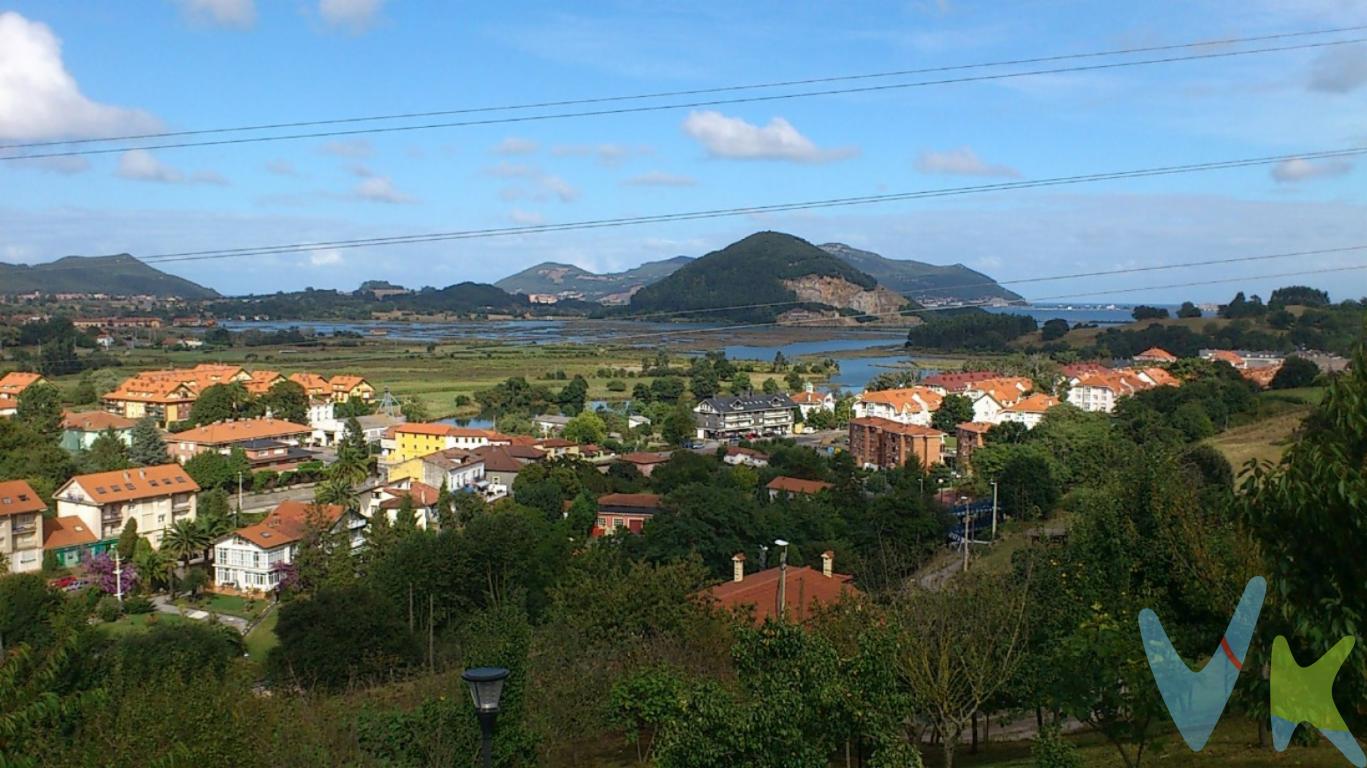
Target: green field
x=262 y=638
x=138 y=622
x=231 y=605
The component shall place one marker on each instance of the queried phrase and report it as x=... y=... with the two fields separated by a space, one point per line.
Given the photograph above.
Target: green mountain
x=763 y=277
x=120 y=275
x=612 y=288
x=920 y=281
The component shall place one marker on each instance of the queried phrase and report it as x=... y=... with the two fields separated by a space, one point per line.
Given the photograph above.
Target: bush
x=108 y=609
x=617 y=386
x=264 y=480
x=138 y=604
x=1051 y=751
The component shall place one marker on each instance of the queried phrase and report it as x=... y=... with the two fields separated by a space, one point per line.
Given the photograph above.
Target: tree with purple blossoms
x=102 y=569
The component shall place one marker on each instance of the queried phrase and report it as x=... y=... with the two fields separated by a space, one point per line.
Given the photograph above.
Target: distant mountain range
x=921 y=281
x=550 y=277
x=916 y=280
x=120 y=275
x=765 y=277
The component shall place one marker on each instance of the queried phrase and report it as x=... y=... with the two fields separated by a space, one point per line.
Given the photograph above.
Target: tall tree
x=148 y=449
x=287 y=400
x=128 y=539
x=220 y=402
x=40 y=409
x=107 y=452
x=183 y=540
x=954 y=410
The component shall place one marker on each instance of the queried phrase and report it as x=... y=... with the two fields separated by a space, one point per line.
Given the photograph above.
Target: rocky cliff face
x=838 y=292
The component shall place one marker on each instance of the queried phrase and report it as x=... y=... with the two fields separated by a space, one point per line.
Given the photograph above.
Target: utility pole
x=782 y=576
x=431 y=642
x=118 y=577
x=967 y=537
x=237 y=519
x=994 y=512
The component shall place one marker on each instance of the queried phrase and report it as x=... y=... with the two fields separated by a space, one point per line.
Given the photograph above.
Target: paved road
x=264 y=502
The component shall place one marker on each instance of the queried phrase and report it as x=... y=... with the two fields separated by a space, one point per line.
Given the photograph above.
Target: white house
x=1028 y=410
x=808 y=400
x=737 y=456
x=911 y=405
x=249 y=559
x=388 y=500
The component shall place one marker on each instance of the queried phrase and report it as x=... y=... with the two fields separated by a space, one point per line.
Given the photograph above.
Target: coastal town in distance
x=646 y=412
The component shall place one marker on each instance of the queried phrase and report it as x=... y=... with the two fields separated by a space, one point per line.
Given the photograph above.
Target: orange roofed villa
x=12 y=385
x=270 y=443
x=251 y=559
x=156 y=497
x=794 y=593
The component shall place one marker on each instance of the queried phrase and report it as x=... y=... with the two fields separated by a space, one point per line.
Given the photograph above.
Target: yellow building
x=413 y=441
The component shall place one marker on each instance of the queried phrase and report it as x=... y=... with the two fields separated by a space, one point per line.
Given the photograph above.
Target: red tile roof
x=15 y=382
x=134 y=484
x=808 y=398
x=226 y=432
x=888 y=425
x=1156 y=354
x=287 y=523
x=908 y=400
x=18 y=498
x=976 y=426
x=796 y=485
x=1036 y=403
x=95 y=421
x=958 y=381
x=736 y=450
x=805 y=590
x=63 y=532
x=644 y=458
x=642 y=501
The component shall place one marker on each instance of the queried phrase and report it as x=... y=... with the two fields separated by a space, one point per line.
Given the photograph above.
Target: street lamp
x=486 y=688
x=782 y=575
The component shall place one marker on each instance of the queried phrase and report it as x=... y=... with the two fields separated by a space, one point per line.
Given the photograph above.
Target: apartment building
x=722 y=418
x=21 y=526
x=156 y=497
x=883 y=444
x=224 y=436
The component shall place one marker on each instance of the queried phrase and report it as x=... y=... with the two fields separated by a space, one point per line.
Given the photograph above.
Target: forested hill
x=748 y=272
x=121 y=274
x=553 y=277
x=462 y=299
x=920 y=281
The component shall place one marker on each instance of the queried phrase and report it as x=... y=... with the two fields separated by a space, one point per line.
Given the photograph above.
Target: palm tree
x=158 y=566
x=336 y=490
x=214 y=528
x=183 y=540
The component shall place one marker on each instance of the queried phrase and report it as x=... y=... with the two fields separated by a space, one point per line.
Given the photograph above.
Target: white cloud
x=733 y=137
x=141 y=165
x=516 y=146
x=539 y=184
x=354 y=15
x=39 y=99
x=379 y=189
x=352 y=148
x=281 y=167
x=513 y=171
x=224 y=13
x=63 y=165
x=325 y=258
x=962 y=161
x=606 y=154
x=560 y=188
x=1339 y=70
x=529 y=218
x=1300 y=169
x=660 y=179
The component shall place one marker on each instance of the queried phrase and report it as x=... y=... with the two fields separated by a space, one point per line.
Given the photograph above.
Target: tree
x=794 y=381
x=666 y=389
x=28 y=607
x=288 y=401
x=212 y=469
x=107 y=452
x=339 y=637
x=40 y=409
x=413 y=410
x=1028 y=486
x=183 y=540
x=954 y=410
x=740 y=384
x=703 y=381
x=147 y=448
x=1188 y=310
x=1295 y=372
x=679 y=425
x=220 y=402
x=1143 y=312
x=958 y=647
x=641 y=394
x=1054 y=329
x=574 y=396
x=128 y=539
x=587 y=427
x=770 y=386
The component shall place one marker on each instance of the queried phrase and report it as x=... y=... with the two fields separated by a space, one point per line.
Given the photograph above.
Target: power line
x=222 y=253
x=686 y=105
x=694 y=92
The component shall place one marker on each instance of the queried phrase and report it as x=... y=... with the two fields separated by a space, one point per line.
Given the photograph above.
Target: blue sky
x=89 y=69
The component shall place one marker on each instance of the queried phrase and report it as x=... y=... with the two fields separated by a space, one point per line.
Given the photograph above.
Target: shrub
x=264 y=480
x=138 y=604
x=617 y=386
x=108 y=609
x=1051 y=751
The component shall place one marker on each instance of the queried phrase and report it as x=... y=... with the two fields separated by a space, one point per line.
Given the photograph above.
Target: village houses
x=156 y=497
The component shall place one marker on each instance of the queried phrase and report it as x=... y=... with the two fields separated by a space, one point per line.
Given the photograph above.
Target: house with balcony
x=1028 y=410
x=21 y=526
x=388 y=500
x=251 y=558
x=156 y=497
x=345 y=387
x=417 y=439
x=12 y=385
x=883 y=444
x=457 y=468
x=809 y=400
x=723 y=418
x=224 y=436
x=992 y=396
x=315 y=387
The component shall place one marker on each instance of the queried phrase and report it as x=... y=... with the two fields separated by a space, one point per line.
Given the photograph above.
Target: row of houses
x=168 y=395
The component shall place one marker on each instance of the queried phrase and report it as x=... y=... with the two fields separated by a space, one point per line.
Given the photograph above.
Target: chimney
x=738 y=567
x=827 y=563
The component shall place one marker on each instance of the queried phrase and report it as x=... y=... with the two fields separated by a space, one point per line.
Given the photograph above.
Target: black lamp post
x=486 y=688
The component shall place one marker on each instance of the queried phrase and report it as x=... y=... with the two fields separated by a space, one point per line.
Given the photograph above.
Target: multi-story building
x=624 y=513
x=167 y=396
x=908 y=405
x=261 y=382
x=809 y=400
x=250 y=559
x=12 y=385
x=21 y=526
x=156 y=497
x=1028 y=410
x=415 y=440
x=457 y=468
x=722 y=418
x=883 y=444
x=345 y=387
x=315 y=387
x=223 y=437
x=991 y=396
x=970 y=436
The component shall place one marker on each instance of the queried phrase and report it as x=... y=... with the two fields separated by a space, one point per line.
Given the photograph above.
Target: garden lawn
x=262 y=638
x=139 y=622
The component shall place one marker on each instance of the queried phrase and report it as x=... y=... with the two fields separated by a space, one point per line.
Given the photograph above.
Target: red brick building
x=804 y=590
x=970 y=436
x=885 y=444
x=624 y=512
